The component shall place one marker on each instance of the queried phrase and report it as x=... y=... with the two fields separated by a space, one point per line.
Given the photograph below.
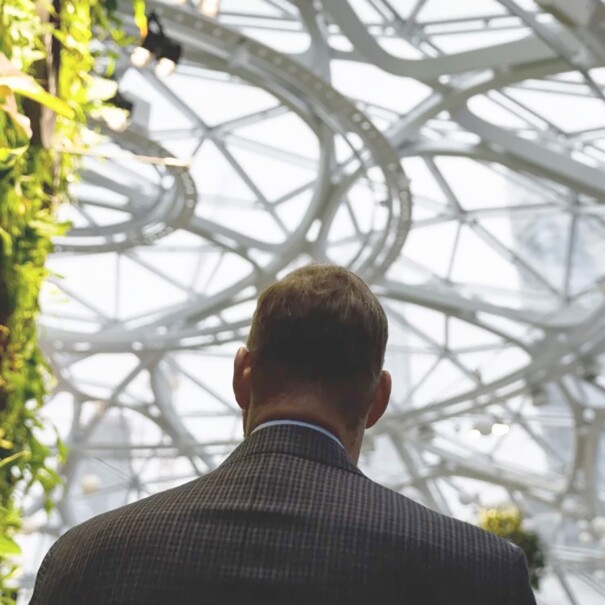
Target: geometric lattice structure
x=451 y=153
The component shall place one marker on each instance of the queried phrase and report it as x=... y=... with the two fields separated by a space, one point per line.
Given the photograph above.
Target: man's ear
x=241 y=378
x=380 y=400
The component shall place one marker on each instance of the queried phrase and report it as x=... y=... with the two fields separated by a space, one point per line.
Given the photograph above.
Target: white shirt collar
x=309 y=425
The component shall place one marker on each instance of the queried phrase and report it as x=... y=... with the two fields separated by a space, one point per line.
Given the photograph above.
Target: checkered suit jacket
x=287 y=518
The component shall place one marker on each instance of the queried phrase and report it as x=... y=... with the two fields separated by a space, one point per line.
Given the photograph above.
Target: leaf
x=10 y=459
x=9 y=104
x=10 y=517
x=14 y=139
x=28 y=87
x=38 y=451
x=62 y=449
x=15 y=130
x=25 y=85
x=8 y=547
x=140 y=18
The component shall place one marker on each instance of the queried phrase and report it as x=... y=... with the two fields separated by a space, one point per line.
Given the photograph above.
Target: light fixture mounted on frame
x=209 y=8
x=156 y=44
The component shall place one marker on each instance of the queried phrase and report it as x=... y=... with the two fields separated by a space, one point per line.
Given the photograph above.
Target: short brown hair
x=318 y=327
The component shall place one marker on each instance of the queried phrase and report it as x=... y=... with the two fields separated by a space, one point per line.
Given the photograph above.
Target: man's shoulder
x=437 y=550
x=427 y=529
x=116 y=524
x=120 y=541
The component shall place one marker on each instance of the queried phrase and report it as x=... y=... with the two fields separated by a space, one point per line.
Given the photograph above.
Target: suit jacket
x=287 y=518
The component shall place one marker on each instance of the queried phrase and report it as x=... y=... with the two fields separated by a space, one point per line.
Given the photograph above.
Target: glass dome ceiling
x=451 y=153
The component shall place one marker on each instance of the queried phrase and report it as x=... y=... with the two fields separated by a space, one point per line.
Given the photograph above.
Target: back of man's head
x=318 y=330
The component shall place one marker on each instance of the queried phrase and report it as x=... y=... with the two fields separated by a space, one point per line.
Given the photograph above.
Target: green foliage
x=15 y=135
x=508 y=524
x=40 y=43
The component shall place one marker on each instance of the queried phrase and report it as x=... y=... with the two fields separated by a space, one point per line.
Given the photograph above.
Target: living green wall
x=47 y=68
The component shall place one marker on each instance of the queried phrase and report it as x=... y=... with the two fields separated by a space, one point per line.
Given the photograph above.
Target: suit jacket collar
x=296 y=441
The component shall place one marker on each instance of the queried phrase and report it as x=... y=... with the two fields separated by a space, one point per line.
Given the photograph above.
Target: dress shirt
x=309 y=425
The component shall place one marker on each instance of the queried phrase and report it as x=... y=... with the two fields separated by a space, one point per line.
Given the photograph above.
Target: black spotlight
x=151 y=45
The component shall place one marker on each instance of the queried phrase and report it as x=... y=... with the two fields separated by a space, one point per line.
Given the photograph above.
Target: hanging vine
x=47 y=67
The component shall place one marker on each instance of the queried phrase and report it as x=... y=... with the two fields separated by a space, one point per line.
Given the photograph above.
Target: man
x=288 y=517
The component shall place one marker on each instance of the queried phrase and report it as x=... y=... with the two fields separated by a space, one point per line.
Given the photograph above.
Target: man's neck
x=310 y=412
